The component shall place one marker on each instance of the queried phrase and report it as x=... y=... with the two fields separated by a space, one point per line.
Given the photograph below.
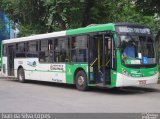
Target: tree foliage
x=148 y=7
x=41 y=16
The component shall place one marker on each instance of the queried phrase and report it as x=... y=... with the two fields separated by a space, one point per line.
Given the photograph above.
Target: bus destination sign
x=127 y=29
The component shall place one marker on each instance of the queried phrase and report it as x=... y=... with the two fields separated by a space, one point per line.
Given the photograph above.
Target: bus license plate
x=142 y=82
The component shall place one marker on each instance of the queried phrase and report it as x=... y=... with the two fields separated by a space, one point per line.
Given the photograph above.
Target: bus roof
x=88 y=29
x=35 y=37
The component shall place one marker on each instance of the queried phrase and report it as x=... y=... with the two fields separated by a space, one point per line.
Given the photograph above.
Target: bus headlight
x=125 y=72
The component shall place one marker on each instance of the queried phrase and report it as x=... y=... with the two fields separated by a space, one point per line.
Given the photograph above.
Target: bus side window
x=73 y=53
x=4 y=50
x=20 y=49
x=32 y=49
x=50 y=52
x=79 y=49
x=43 y=54
x=61 y=49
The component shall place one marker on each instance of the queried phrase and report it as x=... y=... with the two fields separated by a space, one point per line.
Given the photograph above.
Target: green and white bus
x=105 y=55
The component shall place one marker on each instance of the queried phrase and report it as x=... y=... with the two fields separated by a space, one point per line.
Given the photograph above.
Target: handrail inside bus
x=107 y=63
x=93 y=62
x=96 y=60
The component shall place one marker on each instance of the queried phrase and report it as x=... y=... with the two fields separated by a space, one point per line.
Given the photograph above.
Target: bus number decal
x=57 y=80
x=142 y=82
x=57 y=67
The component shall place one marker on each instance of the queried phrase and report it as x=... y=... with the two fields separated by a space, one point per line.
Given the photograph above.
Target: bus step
x=92 y=82
x=100 y=85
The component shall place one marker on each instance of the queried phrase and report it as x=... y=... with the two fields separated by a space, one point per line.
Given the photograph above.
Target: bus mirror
x=118 y=41
x=118 y=44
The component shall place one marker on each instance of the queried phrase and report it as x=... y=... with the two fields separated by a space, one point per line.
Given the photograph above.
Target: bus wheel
x=21 y=75
x=81 y=81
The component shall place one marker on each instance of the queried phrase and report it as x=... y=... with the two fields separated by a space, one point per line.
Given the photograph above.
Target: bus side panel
x=5 y=66
x=41 y=71
x=114 y=75
x=70 y=71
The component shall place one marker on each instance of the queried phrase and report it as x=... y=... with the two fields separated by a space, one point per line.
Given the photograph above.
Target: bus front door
x=10 y=58
x=100 y=52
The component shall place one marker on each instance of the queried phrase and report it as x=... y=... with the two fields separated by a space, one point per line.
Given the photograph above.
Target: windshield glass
x=137 y=50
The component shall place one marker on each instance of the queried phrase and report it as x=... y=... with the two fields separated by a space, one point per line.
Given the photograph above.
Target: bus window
x=50 y=51
x=61 y=49
x=4 y=50
x=20 y=50
x=43 y=55
x=79 y=49
x=32 y=49
x=20 y=47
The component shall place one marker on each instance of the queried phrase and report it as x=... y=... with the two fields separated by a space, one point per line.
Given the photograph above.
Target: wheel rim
x=80 y=80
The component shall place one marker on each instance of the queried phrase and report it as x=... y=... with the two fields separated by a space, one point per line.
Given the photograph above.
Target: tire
x=81 y=81
x=21 y=75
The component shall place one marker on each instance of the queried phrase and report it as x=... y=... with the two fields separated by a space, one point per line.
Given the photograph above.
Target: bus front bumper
x=123 y=80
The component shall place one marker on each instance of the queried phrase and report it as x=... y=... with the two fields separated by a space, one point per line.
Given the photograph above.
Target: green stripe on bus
x=90 y=29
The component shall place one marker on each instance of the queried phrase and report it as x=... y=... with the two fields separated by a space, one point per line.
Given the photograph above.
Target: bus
x=105 y=55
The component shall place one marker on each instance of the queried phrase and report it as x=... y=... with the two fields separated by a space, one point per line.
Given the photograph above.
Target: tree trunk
x=86 y=15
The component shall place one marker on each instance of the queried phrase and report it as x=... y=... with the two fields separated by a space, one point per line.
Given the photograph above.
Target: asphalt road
x=51 y=97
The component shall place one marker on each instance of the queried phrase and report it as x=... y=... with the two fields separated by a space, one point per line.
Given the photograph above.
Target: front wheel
x=81 y=81
x=21 y=75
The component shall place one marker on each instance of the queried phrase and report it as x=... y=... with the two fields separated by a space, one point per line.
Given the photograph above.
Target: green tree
x=148 y=7
x=41 y=16
x=27 y=13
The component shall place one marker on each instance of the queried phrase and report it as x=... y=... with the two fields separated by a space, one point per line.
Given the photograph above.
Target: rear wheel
x=81 y=81
x=21 y=75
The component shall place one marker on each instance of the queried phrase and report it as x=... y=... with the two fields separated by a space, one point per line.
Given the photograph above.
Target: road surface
x=52 y=97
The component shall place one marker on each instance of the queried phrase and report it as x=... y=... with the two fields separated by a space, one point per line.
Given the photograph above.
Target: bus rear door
x=10 y=60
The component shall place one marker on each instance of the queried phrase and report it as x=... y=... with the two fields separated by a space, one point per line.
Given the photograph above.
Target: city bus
x=103 y=55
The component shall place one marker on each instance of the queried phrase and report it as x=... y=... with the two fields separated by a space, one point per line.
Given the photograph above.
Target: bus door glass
x=100 y=58
x=11 y=55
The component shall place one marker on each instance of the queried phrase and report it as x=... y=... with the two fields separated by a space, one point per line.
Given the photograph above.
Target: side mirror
x=118 y=41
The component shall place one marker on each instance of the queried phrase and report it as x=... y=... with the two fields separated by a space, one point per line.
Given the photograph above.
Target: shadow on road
x=51 y=84
x=124 y=90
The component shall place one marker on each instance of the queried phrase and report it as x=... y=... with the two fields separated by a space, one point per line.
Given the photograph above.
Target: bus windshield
x=137 y=49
